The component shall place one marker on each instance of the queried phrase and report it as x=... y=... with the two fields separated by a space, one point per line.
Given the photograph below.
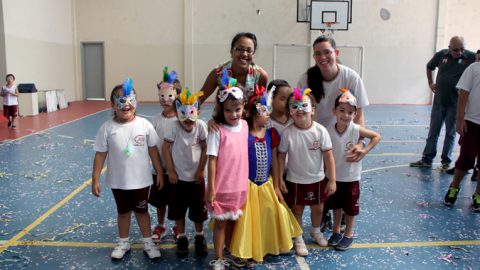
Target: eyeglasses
x=458 y=49
x=320 y=53
x=244 y=50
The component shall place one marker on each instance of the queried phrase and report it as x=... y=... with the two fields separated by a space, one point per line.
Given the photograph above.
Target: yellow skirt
x=266 y=226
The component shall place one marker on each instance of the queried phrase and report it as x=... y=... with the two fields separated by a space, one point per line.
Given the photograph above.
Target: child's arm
x=98 y=162
x=200 y=173
x=157 y=164
x=280 y=170
x=357 y=154
x=275 y=175
x=167 y=155
x=461 y=105
x=330 y=168
x=212 y=171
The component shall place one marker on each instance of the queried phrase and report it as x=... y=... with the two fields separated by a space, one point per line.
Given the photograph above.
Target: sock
x=316 y=230
x=182 y=235
x=161 y=225
x=199 y=233
x=147 y=239
x=299 y=239
x=123 y=239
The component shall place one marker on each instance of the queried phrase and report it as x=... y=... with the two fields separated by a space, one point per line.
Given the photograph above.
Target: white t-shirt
x=305 y=148
x=341 y=144
x=187 y=148
x=162 y=126
x=127 y=172
x=346 y=78
x=213 y=139
x=279 y=126
x=8 y=99
x=470 y=82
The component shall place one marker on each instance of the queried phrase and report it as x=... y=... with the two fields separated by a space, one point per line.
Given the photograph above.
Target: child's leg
x=123 y=221
x=199 y=227
x=337 y=220
x=316 y=214
x=230 y=225
x=219 y=238
x=161 y=214
x=180 y=226
x=143 y=220
x=298 y=213
x=349 y=228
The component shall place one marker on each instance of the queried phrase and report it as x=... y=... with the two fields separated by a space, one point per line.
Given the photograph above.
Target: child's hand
x=200 y=176
x=331 y=187
x=96 y=189
x=209 y=196
x=283 y=187
x=356 y=154
x=212 y=125
x=279 y=195
x=159 y=181
x=173 y=177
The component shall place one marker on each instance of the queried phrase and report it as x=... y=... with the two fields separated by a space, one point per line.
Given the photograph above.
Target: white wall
x=39 y=43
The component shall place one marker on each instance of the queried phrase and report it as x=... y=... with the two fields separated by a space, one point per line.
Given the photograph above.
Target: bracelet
x=362 y=141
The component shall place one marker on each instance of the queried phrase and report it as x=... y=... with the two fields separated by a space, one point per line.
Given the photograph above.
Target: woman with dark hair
x=327 y=77
x=241 y=67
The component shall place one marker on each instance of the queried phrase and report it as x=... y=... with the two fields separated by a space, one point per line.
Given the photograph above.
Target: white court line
x=396 y=125
x=302 y=263
x=145 y=116
x=403 y=141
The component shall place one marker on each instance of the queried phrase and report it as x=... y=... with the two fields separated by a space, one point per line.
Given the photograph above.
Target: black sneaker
x=9 y=123
x=200 y=246
x=421 y=164
x=182 y=245
x=451 y=196
x=474 y=174
x=450 y=171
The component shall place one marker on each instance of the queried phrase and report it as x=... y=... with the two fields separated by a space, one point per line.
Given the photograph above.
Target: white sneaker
x=219 y=264
x=151 y=250
x=318 y=237
x=120 y=249
x=300 y=248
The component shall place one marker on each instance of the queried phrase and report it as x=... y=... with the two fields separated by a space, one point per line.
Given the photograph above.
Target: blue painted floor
x=403 y=223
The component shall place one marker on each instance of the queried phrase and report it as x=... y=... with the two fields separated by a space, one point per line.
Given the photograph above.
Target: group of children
x=263 y=168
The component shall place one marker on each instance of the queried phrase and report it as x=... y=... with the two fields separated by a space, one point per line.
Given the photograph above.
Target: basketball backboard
x=304 y=9
x=329 y=15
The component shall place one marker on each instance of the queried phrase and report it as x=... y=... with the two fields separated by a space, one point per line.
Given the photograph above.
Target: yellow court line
x=46 y=214
x=210 y=246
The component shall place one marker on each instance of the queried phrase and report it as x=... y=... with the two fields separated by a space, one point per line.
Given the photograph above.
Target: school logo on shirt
x=349 y=146
x=139 y=140
x=315 y=145
x=310 y=196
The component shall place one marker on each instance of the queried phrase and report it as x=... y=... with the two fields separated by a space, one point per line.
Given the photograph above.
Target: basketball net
x=328 y=31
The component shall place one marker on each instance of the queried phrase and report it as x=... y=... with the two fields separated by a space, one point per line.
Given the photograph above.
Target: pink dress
x=231 y=179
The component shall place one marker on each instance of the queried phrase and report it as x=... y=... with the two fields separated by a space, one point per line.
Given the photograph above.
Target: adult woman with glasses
x=240 y=67
x=327 y=77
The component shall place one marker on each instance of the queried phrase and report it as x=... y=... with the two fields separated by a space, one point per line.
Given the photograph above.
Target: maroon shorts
x=306 y=194
x=10 y=110
x=470 y=147
x=131 y=200
x=188 y=196
x=347 y=197
x=160 y=198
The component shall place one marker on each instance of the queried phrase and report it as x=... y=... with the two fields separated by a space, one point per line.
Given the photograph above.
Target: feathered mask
x=167 y=92
x=187 y=105
x=347 y=97
x=168 y=80
x=128 y=97
x=229 y=88
x=301 y=102
x=261 y=107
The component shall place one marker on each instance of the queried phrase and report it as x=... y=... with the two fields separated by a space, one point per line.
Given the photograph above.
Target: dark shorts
x=10 y=110
x=347 y=197
x=470 y=147
x=131 y=200
x=160 y=198
x=188 y=196
x=306 y=194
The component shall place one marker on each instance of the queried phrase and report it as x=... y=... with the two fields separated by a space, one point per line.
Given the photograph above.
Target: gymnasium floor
x=50 y=220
